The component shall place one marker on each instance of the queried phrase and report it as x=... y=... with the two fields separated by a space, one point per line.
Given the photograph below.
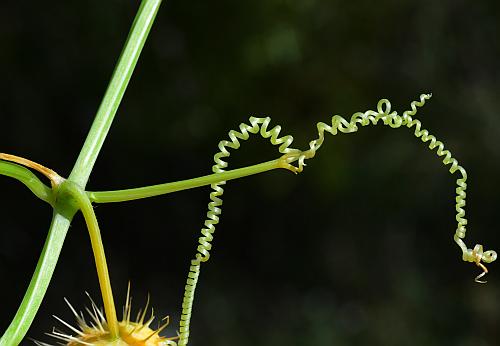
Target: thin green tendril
x=290 y=155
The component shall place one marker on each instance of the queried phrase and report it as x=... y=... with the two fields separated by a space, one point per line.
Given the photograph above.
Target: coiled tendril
x=290 y=155
x=257 y=126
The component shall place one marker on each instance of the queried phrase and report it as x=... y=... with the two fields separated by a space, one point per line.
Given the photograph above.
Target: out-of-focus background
x=356 y=250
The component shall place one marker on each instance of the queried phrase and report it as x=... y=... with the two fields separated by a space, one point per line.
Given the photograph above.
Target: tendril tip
x=485 y=271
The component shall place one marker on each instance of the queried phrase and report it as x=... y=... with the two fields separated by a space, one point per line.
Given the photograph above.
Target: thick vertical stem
x=114 y=93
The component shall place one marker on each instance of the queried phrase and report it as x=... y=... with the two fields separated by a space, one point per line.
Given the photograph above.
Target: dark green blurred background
x=356 y=250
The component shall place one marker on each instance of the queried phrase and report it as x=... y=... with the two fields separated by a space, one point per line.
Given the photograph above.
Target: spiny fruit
x=96 y=331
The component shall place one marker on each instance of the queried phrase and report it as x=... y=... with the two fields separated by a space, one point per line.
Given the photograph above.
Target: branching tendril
x=382 y=115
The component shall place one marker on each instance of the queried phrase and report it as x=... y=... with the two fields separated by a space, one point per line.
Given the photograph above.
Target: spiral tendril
x=290 y=155
x=257 y=126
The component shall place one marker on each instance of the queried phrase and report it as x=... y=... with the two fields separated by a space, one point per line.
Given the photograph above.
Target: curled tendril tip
x=485 y=271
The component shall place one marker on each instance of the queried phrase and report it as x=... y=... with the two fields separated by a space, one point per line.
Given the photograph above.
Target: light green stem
x=29 y=179
x=39 y=282
x=80 y=173
x=161 y=189
x=116 y=88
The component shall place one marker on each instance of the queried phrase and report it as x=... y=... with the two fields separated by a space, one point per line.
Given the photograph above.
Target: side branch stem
x=29 y=179
x=161 y=189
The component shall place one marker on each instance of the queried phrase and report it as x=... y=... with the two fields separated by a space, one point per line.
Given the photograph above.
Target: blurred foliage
x=357 y=250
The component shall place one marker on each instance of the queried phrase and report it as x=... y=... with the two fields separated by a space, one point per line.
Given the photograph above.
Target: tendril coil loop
x=290 y=155
x=257 y=126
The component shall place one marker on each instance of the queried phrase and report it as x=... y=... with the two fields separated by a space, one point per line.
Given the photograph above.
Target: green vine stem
x=115 y=91
x=39 y=282
x=162 y=189
x=63 y=210
x=29 y=179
